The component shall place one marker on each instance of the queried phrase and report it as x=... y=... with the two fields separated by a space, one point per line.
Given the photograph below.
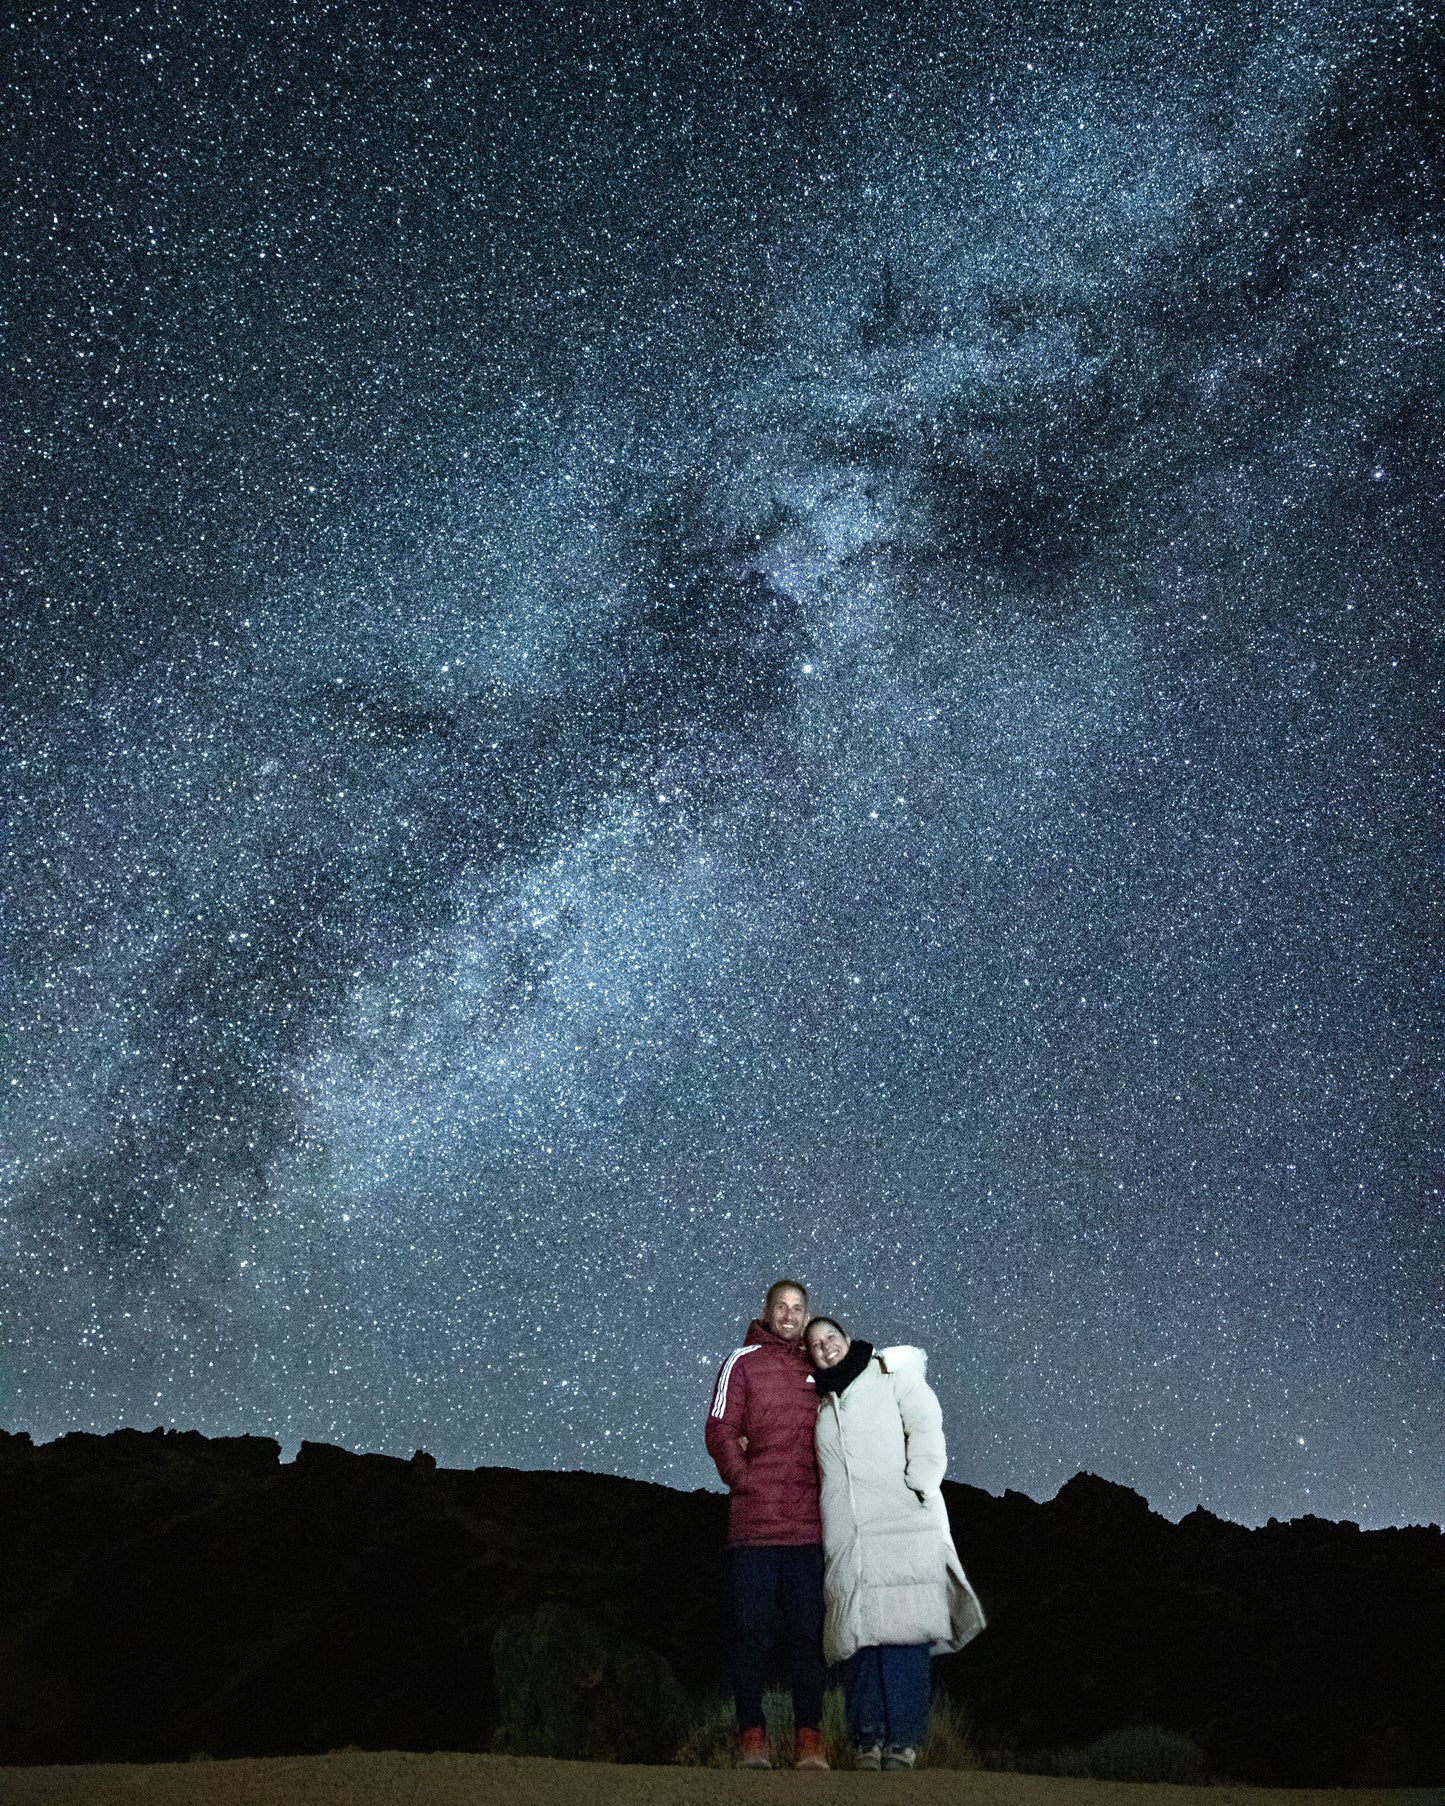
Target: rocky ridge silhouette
x=164 y=1594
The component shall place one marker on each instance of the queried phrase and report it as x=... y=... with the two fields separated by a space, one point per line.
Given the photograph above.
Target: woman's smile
x=827 y=1345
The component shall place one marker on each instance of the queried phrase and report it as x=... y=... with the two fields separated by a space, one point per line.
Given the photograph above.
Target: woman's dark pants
x=888 y=1695
x=770 y=1580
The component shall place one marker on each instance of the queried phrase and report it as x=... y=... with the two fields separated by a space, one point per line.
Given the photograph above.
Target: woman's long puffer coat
x=892 y=1574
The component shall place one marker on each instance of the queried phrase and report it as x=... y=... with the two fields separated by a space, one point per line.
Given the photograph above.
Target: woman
x=893 y=1585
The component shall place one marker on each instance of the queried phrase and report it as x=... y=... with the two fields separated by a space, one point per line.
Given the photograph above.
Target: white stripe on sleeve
x=720 y=1396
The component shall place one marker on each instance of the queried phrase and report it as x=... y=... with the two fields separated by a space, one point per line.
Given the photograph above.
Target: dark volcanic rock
x=1307 y=1653
x=163 y=1594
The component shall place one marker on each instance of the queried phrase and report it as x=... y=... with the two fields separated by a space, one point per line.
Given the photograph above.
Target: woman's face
x=826 y=1345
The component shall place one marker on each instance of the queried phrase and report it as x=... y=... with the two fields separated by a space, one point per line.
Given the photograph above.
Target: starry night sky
x=659 y=645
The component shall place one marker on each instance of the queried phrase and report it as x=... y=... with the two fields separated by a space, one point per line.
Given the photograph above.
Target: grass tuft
x=949 y=1743
x=778 y=1716
x=710 y=1740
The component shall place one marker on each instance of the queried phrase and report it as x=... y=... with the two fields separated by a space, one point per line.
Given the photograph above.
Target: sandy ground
x=390 y=1779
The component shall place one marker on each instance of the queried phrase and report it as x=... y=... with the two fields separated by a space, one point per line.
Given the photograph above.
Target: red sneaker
x=753 y=1748
x=808 y=1748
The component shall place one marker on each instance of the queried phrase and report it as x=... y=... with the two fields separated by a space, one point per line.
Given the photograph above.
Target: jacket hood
x=758 y=1331
x=905 y=1355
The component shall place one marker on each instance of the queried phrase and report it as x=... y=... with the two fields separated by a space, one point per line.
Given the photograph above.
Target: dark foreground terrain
x=164 y=1595
x=453 y=1779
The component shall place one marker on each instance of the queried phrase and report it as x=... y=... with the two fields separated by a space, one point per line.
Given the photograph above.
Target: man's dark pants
x=780 y=1579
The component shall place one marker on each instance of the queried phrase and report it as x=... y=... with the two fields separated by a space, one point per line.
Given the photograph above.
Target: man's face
x=826 y=1345
x=786 y=1315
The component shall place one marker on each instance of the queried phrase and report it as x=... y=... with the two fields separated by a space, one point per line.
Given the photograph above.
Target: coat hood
x=758 y=1331
x=897 y=1360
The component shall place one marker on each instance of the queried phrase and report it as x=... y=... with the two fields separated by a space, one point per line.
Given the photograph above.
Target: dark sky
x=659 y=645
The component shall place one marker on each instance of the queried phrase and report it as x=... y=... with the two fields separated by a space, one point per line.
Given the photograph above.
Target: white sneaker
x=900 y=1757
x=867 y=1755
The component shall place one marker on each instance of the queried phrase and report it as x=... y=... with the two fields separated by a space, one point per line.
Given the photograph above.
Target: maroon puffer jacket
x=764 y=1393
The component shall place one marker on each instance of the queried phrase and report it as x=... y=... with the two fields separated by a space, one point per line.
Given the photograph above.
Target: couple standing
x=833 y=1455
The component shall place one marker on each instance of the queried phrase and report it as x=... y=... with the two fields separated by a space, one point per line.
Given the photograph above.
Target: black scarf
x=839 y=1378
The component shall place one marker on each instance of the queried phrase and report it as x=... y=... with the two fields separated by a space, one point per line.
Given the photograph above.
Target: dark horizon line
x=424 y=1460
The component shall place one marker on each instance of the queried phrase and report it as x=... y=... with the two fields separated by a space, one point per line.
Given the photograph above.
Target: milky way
x=664 y=645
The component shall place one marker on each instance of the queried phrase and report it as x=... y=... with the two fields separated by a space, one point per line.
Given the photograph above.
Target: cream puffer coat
x=891 y=1573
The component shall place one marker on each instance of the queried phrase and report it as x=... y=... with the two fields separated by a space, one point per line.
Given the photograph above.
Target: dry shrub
x=835 y=1729
x=778 y=1715
x=566 y=1687
x=1142 y=1752
x=710 y=1740
x=949 y=1743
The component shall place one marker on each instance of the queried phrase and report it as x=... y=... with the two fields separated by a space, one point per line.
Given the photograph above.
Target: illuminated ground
x=467 y=1780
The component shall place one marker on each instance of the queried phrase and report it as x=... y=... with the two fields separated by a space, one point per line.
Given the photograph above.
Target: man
x=760 y=1433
